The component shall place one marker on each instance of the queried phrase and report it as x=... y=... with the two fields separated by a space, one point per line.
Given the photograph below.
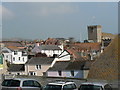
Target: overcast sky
x=40 y=20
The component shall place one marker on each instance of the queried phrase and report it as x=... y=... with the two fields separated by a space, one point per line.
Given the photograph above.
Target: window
x=38 y=67
x=11 y=83
x=53 y=87
x=19 y=58
x=60 y=73
x=90 y=87
x=69 y=87
x=23 y=59
x=72 y=73
x=28 y=83
x=92 y=30
x=6 y=56
x=36 y=84
x=108 y=87
x=13 y=58
x=15 y=52
x=18 y=73
x=32 y=73
x=74 y=86
x=31 y=83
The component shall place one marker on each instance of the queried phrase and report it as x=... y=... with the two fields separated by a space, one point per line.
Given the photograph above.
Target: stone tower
x=94 y=33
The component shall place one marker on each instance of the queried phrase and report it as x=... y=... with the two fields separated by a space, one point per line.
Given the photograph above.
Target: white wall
x=77 y=74
x=18 y=58
x=8 y=56
x=51 y=52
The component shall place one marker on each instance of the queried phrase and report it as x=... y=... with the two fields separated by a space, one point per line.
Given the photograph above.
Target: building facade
x=94 y=33
x=14 y=56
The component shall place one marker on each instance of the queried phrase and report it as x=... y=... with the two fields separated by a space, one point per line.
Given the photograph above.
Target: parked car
x=21 y=84
x=95 y=86
x=61 y=85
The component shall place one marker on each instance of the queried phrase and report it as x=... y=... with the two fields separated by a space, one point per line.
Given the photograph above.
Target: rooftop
x=16 y=67
x=40 y=60
x=106 y=66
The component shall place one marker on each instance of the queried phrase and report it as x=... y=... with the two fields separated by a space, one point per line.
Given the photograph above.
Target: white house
x=19 y=57
x=14 y=56
x=38 y=66
x=7 y=53
x=49 y=50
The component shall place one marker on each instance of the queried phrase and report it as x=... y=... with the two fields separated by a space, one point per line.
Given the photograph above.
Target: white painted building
x=19 y=57
x=14 y=56
x=49 y=50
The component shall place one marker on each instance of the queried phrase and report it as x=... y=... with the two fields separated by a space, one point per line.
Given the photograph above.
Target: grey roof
x=88 y=64
x=16 y=67
x=59 y=65
x=49 y=47
x=5 y=51
x=40 y=60
x=80 y=65
x=76 y=65
x=71 y=65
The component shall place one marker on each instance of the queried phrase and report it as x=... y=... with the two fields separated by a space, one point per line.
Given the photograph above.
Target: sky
x=40 y=20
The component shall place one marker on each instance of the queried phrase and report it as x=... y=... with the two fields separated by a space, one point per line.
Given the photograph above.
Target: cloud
x=57 y=9
x=5 y=13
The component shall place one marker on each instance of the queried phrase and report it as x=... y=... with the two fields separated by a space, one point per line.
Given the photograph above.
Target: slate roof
x=80 y=65
x=49 y=47
x=59 y=66
x=88 y=64
x=45 y=47
x=71 y=65
x=5 y=51
x=16 y=67
x=106 y=66
x=40 y=60
x=76 y=65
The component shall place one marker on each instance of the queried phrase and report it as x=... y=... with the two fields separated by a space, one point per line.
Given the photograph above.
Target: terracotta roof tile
x=86 y=46
x=13 y=47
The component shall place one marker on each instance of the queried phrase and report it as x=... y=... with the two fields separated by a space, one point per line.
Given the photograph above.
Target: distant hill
x=106 y=66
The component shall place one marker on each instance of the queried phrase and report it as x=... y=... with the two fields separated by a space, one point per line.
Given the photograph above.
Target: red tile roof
x=74 y=53
x=86 y=46
x=52 y=41
x=12 y=43
x=13 y=47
